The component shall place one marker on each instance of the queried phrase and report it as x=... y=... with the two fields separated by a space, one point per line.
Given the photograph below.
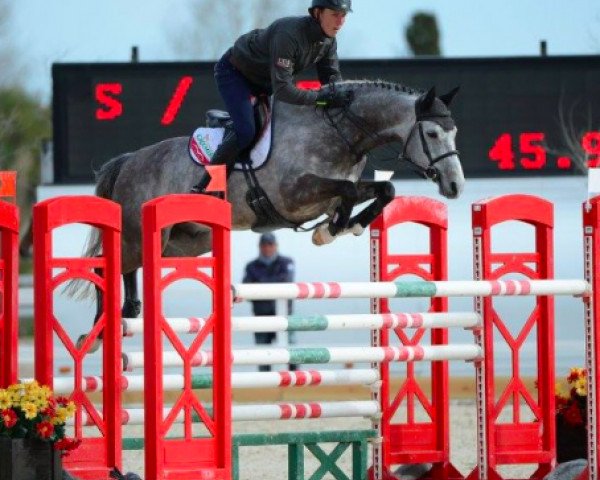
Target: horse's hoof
x=357 y=229
x=93 y=348
x=131 y=309
x=321 y=236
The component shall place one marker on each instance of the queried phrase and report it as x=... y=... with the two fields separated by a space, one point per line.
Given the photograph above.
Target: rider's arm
x=283 y=54
x=329 y=66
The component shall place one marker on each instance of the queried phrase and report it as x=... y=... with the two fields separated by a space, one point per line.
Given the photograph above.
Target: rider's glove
x=335 y=99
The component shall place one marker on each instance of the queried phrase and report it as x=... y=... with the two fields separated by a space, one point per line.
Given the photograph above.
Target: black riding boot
x=226 y=154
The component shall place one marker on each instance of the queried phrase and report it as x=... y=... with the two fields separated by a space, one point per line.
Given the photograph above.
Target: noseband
x=429 y=172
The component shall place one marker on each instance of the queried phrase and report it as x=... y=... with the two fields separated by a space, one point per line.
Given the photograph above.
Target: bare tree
x=594 y=40
x=574 y=122
x=214 y=25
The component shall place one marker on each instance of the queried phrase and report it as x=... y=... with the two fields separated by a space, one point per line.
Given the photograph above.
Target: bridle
x=429 y=172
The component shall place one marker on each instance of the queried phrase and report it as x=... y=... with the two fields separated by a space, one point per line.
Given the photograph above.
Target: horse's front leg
x=311 y=189
x=382 y=192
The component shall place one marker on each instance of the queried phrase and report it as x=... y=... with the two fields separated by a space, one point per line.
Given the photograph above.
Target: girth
x=267 y=216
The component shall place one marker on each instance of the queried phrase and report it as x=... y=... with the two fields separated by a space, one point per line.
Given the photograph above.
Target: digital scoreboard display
x=525 y=116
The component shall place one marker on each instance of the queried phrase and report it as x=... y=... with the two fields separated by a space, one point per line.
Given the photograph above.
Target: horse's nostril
x=454 y=188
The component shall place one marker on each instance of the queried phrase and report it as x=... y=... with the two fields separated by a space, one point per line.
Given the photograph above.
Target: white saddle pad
x=204 y=142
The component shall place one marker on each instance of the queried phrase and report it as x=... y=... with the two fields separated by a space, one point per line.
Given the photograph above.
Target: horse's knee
x=388 y=192
x=349 y=192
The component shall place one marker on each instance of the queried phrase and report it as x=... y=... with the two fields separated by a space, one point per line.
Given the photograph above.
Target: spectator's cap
x=267 y=238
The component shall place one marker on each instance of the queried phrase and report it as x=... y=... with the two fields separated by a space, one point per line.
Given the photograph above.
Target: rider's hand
x=335 y=99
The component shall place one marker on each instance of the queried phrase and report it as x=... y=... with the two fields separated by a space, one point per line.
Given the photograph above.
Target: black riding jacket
x=269 y=58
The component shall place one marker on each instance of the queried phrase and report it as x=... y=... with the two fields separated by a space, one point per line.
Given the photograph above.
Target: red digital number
x=591 y=145
x=172 y=110
x=502 y=152
x=111 y=108
x=308 y=84
x=531 y=144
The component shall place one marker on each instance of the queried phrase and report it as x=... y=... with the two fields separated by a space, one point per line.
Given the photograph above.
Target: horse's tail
x=106 y=178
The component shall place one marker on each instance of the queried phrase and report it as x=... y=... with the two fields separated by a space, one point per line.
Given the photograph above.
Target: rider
x=264 y=61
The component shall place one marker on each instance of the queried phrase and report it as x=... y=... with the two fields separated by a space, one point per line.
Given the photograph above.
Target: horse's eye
x=432 y=135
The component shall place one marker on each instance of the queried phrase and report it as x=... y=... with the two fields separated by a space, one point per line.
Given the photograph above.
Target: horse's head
x=385 y=113
x=430 y=143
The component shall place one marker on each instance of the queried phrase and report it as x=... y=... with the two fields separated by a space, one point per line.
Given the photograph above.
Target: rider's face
x=331 y=21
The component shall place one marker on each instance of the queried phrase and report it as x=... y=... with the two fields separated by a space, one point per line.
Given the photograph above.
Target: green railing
x=297 y=442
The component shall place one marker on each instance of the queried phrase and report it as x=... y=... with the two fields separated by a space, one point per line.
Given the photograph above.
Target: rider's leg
x=226 y=154
x=236 y=93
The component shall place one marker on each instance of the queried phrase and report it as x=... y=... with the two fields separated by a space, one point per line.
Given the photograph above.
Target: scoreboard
x=523 y=116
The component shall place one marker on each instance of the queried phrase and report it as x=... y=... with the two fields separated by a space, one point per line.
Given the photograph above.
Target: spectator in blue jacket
x=269 y=267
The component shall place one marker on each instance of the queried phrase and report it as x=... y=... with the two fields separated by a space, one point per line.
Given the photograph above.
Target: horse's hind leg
x=188 y=240
x=99 y=304
x=131 y=305
x=178 y=241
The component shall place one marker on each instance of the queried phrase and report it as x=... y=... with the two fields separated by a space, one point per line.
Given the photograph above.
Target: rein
x=429 y=172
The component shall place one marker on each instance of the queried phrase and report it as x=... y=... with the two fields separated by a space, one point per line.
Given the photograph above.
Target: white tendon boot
x=322 y=236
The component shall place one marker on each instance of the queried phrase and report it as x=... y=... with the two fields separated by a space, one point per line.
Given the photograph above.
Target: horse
x=316 y=160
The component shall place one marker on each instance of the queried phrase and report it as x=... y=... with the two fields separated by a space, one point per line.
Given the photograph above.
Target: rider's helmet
x=340 y=5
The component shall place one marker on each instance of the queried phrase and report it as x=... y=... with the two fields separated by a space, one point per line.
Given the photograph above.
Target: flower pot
x=571 y=441
x=29 y=459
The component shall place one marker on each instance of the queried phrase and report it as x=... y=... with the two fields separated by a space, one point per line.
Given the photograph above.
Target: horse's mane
x=437 y=109
x=382 y=84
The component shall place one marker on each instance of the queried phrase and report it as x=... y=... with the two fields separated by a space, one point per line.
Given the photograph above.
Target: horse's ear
x=448 y=97
x=425 y=101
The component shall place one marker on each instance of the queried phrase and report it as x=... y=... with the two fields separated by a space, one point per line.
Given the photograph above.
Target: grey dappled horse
x=315 y=168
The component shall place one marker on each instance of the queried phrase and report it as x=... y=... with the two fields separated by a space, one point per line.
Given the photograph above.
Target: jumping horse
x=315 y=164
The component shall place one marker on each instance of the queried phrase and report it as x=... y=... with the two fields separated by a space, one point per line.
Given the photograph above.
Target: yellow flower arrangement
x=30 y=410
x=571 y=403
x=5 y=400
x=571 y=417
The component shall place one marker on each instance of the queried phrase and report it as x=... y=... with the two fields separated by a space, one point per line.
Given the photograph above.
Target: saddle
x=204 y=142
x=262 y=118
